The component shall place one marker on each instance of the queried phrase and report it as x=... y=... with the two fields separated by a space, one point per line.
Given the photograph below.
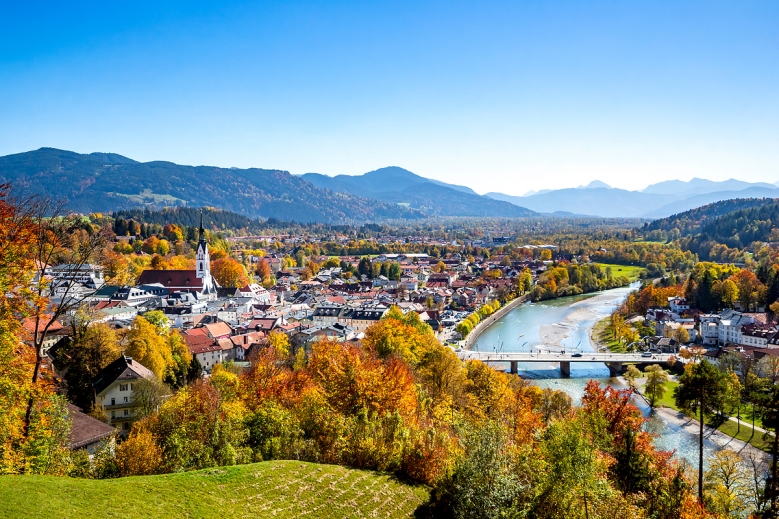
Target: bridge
x=614 y=361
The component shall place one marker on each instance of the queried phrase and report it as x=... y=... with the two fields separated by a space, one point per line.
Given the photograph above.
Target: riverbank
x=739 y=431
x=483 y=325
x=599 y=337
x=552 y=335
x=718 y=438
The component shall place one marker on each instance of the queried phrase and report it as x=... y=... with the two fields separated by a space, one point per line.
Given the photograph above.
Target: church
x=198 y=281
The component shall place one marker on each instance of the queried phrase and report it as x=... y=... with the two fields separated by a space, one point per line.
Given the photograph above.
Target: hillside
x=279 y=489
x=381 y=180
x=694 y=220
x=719 y=231
x=400 y=186
x=106 y=182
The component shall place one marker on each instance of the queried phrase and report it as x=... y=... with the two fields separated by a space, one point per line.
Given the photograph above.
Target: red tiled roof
x=171 y=278
x=219 y=329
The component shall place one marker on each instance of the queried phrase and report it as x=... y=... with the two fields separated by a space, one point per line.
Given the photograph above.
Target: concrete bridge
x=614 y=361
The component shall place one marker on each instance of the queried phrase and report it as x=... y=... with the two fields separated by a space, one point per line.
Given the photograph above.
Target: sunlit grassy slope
x=279 y=489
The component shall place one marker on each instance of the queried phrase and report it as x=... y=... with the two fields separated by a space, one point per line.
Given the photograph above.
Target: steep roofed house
x=206 y=350
x=86 y=432
x=114 y=387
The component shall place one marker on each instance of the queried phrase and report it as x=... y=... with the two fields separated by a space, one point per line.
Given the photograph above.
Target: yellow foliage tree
x=148 y=347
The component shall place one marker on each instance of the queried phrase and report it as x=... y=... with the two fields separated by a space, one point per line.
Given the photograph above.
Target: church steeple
x=202 y=232
x=202 y=257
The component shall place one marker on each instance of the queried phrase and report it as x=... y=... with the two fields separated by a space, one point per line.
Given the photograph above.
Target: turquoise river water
x=566 y=323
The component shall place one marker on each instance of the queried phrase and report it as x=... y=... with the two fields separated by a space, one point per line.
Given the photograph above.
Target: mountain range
x=102 y=182
x=656 y=201
x=433 y=197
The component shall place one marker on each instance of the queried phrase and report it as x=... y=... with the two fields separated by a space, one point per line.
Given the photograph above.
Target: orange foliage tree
x=229 y=272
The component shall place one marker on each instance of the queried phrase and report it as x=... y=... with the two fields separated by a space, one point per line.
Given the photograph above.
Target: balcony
x=124 y=405
x=120 y=419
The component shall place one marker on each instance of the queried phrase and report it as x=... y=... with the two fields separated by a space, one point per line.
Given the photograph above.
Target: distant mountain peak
x=595 y=184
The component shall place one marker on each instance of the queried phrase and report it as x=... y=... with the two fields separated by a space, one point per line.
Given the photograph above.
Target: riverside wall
x=483 y=325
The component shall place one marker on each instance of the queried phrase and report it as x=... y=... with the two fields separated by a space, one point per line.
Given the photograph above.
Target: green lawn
x=668 y=397
x=727 y=426
x=630 y=271
x=756 y=440
x=279 y=489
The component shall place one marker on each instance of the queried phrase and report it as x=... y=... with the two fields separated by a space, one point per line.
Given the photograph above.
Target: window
x=126 y=426
x=132 y=387
x=113 y=401
x=126 y=400
x=113 y=414
x=122 y=387
x=127 y=412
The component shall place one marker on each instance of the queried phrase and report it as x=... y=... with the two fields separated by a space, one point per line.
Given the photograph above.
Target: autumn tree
x=52 y=237
x=279 y=341
x=229 y=272
x=264 y=271
x=750 y=288
x=33 y=425
x=91 y=347
x=554 y=404
x=631 y=374
x=726 y=484
x=144 y=344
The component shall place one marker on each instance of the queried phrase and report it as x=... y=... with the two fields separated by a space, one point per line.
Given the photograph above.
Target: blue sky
x=499 y=96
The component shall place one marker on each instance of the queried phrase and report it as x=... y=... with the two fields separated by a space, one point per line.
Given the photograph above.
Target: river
x=566 y=323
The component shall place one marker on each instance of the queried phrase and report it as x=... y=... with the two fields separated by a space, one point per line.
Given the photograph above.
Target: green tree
x=493 y=479
x=701 y=389
x=656 y=379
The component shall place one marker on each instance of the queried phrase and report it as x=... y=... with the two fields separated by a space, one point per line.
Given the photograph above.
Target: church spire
x=202 y=235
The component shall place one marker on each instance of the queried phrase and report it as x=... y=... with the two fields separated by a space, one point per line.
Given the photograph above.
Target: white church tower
x=203 y=264
x=202 y=257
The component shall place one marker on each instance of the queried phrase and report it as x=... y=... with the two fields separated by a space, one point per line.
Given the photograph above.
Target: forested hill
x=220 y=220
x=101 y=182
x=711 y=217
x=719 y=231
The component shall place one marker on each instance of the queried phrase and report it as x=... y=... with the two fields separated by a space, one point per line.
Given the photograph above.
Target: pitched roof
x=123 y=368
x=171 y=278
x=218 y=329
x=85 y=430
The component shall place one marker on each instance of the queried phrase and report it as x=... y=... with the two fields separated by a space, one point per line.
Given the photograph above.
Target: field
x=629 y=271
x=280 y=489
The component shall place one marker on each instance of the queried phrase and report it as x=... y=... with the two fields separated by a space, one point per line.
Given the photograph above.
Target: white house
x=114 y=387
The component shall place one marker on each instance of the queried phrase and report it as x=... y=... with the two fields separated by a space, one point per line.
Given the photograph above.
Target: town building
x=114 y=387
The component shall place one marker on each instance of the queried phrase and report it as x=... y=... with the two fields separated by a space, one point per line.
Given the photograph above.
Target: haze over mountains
x=108 y=182
x=656 y=201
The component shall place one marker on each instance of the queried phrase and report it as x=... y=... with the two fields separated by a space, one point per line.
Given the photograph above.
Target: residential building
x=114 y=387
